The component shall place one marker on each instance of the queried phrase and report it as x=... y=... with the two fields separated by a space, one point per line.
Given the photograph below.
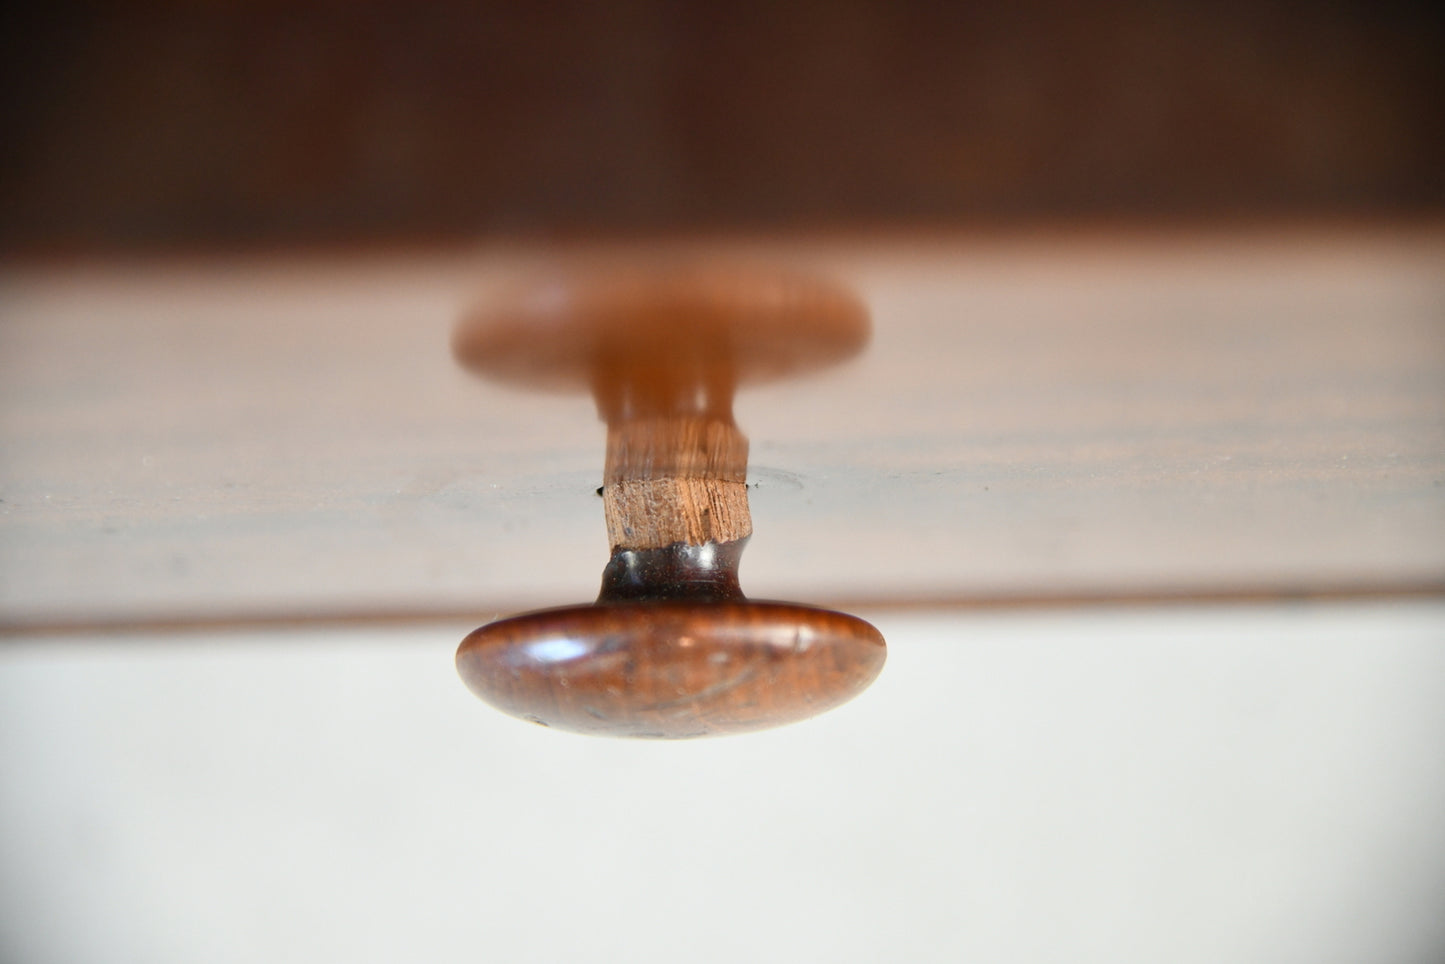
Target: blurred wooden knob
x=671 y=648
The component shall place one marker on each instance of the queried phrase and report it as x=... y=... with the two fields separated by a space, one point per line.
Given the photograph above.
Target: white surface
x=1181 y=785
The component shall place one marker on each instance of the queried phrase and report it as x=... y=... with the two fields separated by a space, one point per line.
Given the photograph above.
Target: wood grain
x=679 y=478
x=671 y=670
x=1168 y=414
x=654 y=513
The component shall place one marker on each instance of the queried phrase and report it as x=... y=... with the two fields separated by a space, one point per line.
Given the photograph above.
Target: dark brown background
x=253 y=124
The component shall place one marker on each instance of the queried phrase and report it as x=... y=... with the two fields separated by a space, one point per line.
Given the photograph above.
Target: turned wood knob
x=672 y=648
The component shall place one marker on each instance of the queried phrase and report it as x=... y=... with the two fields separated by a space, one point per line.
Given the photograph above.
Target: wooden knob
x=672 y=648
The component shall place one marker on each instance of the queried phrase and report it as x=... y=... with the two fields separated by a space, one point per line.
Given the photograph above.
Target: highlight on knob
x=671 y=648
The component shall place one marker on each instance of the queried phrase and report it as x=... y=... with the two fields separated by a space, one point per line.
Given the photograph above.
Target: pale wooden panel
x=1037 y=417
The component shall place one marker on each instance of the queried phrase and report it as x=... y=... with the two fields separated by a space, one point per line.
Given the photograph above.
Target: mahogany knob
x=672 y=648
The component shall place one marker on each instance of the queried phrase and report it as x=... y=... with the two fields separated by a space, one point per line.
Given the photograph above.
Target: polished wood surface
x=659 y=328
x=671 y=670
x=1069 y=416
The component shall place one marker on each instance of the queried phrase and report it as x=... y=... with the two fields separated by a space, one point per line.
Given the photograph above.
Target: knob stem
x=676 y=479
x=705 y=573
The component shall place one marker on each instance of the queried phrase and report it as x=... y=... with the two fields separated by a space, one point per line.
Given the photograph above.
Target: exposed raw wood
x=678 y=479
x=679 y=446
x=654 y=513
